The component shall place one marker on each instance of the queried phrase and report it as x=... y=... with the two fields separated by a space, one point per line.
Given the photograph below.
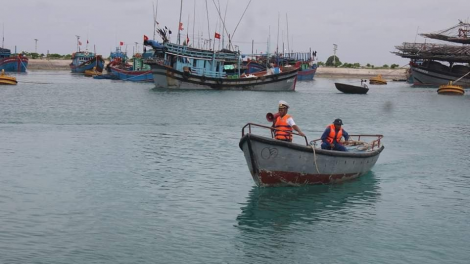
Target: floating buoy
x=451 y=89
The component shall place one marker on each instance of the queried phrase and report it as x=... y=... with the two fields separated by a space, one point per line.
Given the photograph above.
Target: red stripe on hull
x=280 y=178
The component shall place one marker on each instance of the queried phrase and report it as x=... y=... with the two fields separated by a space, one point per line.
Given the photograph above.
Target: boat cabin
x=199 y=62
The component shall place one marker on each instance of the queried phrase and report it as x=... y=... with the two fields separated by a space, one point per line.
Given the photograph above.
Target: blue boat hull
x=83 y=68
x=133 y=76
x=307 y=74
x=14 y=64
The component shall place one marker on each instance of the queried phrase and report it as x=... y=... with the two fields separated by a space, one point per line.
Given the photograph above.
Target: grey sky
x=364 y=30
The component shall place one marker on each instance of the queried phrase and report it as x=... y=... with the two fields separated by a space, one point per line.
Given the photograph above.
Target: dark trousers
x=338 y=147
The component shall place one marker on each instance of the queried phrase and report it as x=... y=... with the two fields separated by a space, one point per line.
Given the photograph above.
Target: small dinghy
x=280 y=163
x=351 y=89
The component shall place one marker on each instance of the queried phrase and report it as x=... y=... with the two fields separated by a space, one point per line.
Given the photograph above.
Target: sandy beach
x=321 y=72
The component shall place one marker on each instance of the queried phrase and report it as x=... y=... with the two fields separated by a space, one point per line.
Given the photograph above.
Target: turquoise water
x=100 y=171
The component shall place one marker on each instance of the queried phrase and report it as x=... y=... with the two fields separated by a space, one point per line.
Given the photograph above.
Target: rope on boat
x=461 y=77
x=315 y=158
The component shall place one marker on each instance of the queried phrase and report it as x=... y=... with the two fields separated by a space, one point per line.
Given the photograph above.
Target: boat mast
x=194 y=18
x=3 y=34
x=78 y=42
x=179 y=24
x=154 y=19
x=288 y=45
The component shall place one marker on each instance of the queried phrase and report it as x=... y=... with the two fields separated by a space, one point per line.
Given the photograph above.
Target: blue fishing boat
x=12 y=62
x=178 y=66
x=84 y=60
x=118 y=54
x=137 y=72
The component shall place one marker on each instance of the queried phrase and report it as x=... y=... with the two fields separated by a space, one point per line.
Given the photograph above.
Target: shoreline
x=322 y=72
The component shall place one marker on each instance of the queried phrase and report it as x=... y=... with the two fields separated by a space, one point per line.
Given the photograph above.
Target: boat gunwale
x=249 y=137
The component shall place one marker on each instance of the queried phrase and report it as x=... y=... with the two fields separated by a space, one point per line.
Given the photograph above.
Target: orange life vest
x=284 y=130
x=331 y=136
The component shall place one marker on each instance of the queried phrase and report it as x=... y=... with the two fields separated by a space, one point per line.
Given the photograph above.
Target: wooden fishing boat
x=377 y=80
x=279 y=163
x=12 y=62
x=351 y=89
x=451 y=89
x=83 y=60
x=137 y=72
x=7 y=79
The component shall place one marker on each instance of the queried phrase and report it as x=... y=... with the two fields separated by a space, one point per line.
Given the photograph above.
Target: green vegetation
x=333 y=61
x=52 y=56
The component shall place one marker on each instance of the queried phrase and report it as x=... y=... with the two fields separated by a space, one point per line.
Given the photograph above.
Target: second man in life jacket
x=331 y=138
x=284 y=124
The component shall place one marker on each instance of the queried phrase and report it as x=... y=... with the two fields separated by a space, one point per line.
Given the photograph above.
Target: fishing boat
x=7 y=79
x=279 y=163
x=451 y=89
x=12 y=62
x=137 y=72
x=183 y=67
x=377 y=80
x=84 y=60
x=434 y=64
x=351 y=89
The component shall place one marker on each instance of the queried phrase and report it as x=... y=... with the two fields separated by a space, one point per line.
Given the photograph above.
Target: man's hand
x=301 y=133
x=332 y=145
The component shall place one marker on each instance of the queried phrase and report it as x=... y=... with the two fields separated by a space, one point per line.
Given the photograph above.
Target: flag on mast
x=217 y=35
x=181 y=26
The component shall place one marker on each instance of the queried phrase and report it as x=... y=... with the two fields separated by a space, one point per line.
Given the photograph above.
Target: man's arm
x=325 y=135
x=298 y=130
x=345 y=135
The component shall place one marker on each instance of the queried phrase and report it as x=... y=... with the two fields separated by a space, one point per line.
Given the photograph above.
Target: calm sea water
x=99 y=171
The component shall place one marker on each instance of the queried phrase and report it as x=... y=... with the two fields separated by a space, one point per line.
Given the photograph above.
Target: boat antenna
x=179 y=24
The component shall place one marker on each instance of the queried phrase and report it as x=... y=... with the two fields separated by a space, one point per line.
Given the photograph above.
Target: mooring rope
x=315 y=158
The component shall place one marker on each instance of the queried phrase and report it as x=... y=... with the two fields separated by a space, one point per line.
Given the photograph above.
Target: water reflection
x=281 y=207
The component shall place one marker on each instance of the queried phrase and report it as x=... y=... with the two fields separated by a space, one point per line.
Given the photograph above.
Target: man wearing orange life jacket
x=284 y=124
x=332 y=136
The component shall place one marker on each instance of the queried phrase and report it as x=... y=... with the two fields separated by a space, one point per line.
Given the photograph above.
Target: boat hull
x=423 y=76
x=351 y=89
x=306 y=75
x=168 y=78
x=134 y=76
x=278 y=163
x=81 y=68
x=14 y=64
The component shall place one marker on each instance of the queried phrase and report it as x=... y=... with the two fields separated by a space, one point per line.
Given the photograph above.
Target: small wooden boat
x=279 y=163
x=451 y=89
x=7 y=79
x=92 y=72
x=351 y=89
x=377 y=80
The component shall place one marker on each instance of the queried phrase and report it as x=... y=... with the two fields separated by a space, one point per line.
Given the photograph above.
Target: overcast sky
x=365 y=31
